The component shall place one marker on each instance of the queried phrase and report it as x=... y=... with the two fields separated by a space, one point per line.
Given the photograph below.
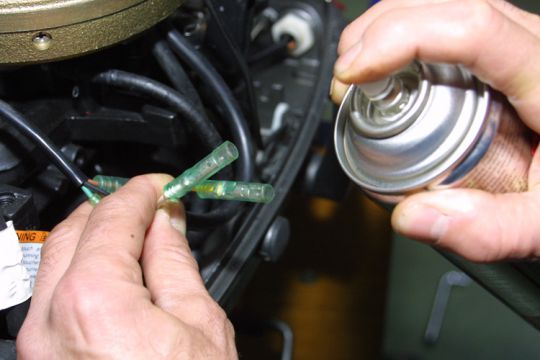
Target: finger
x=353 y=32
x=477 y=225
x=445 y=32
x=337 y=91
x=56 y=256
x=170 y=271
x=112 y=241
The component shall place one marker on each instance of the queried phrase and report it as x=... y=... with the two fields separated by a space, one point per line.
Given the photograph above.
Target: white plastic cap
x=295 y=25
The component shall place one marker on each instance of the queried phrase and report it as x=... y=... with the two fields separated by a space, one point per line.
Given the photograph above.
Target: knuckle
x=143 y=180
x=78 y=299
x=115 y=207
x=395 y=25
x=217 y=325
x=478 y=15
x=174 y=254
x=213 y=317
x=347 y=38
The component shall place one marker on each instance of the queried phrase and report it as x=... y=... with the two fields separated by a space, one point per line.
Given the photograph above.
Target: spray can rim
x=452 y=117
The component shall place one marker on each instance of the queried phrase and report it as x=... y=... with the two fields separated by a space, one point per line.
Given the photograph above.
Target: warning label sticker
x=31 y=243
x=31 y=236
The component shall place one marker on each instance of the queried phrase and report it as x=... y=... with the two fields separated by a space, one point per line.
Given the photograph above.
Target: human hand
x=119 y=281
x=500 y=44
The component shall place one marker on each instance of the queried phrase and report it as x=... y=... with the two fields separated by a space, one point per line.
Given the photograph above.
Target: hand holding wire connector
x=125 y=268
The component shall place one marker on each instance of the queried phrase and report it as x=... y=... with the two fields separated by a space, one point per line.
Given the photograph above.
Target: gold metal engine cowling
x=33 y=31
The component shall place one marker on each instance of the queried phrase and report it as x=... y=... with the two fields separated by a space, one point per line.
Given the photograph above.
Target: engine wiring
x=196 y=179
x=178 y=77
x=93 y=199
x=55 y=155
x=242 y=67
x=233 y=116
x=185 y=101
x=201 y=127
x=205 y=70
x=277 y=51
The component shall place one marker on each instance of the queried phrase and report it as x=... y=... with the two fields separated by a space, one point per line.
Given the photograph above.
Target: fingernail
x=344 y=61
x=175 y=215
x=421 y=221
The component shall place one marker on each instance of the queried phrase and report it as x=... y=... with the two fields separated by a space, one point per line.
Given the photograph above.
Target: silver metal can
x=431 y=126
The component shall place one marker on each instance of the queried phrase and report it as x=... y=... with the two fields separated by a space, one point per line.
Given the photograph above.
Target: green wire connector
x=110 y=183
x=92 y=198
x=235 y=190
x=222 y=156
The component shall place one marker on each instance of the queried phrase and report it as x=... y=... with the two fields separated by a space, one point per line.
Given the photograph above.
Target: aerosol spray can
x=431 y=126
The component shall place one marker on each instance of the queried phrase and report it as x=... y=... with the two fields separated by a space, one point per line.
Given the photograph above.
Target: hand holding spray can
x=431 y=126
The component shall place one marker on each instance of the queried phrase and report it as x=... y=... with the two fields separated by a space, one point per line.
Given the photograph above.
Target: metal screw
x=42 y=41
x=75 y=92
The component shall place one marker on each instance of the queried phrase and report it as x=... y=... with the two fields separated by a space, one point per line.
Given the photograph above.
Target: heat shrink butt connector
x=196 y=179
x=235 y=190
x=222 y=156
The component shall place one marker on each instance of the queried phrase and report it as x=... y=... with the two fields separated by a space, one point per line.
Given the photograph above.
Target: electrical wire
x=204 y=69
x=28 y=129
x=203 y=128
x=238 y=126
x=242 y=67
x=275 y=52
x=182 y=83
x=88 y=184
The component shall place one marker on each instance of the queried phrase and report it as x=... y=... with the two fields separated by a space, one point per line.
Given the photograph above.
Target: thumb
x=477 y=225
x=171 y=273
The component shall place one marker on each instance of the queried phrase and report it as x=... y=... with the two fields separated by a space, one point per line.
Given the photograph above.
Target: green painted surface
x=530 y=5
x=355 y=8
x=476 y=325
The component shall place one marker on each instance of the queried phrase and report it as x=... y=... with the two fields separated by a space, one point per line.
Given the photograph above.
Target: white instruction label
x=15 y=285
x=31 y=243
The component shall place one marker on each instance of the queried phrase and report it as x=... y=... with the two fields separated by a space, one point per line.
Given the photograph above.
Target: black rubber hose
x=41 y=140
x=178 y=77
x=208 y=134
x=242 y=67
x=142 y=85
x=224 y=97
x=176 y=73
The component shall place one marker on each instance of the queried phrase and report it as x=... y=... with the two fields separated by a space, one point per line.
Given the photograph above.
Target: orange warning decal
x=32 y=236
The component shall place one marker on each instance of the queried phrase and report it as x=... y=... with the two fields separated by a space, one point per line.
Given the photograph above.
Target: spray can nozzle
x=388 y=95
